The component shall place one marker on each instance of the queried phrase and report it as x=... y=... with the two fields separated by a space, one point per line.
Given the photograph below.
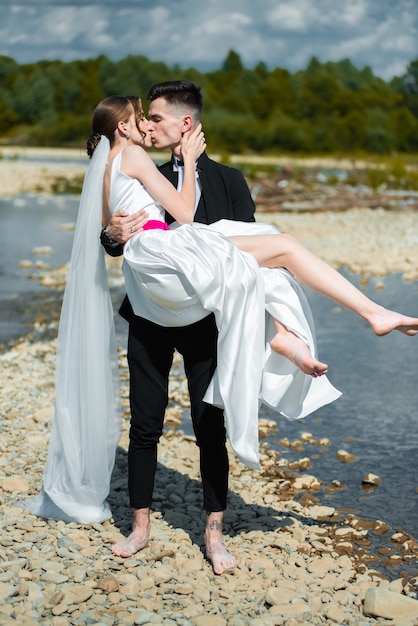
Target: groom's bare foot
x=384 y=321
x=131 y=545
x=139 y=537
x=216 y=552
x=293 y=348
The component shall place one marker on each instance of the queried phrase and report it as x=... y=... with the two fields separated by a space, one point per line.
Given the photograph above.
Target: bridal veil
x=86 y=426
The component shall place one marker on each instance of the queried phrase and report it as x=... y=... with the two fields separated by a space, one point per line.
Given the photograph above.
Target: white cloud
x=352 y=13
x=63 y=25
x=292 y=17
x=379 y=33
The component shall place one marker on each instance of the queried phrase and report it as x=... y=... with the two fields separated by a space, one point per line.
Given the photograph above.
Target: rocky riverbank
x=40 y=170
x=299 y=562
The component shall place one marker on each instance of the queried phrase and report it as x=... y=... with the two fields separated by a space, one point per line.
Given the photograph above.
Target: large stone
x=162 y=575
x=299 y=607
x=335 y=614
x=183 y=589
x=108 y=584
x=371 y=479
x=320 y=566
x=76 y=594
x=7 y=591
x=144 y=618
x=281 y=595
x=209 y=620
x=130 y=588
x=146 y=583
x=11 y=485
x=44 y=415
x=380 y=602
x=306 y=481
x=202 y=593
x=345 y=457
x=54 y=578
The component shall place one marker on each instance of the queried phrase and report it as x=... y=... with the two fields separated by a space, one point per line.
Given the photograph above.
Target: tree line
x=330 y=107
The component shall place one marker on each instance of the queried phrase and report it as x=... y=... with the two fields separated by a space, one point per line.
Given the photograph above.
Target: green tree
x=232 y=63
x=350 y=131
x=315 y=92
x=407 y=85
x=289 y=135
x=32 y=98
x=9 y=70
x=90 y=90
x=410 y=80
x=404 y=127
x=8 y=118
x=274 y=94
x=133 y=75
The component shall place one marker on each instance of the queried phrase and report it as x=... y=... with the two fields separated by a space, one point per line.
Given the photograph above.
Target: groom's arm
x=112 y=247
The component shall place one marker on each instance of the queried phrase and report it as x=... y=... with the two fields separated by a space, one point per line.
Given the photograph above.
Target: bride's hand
x=193 y=143
x=123 y=226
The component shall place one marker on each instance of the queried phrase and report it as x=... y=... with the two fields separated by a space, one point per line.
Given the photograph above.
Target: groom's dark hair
x=181 y=93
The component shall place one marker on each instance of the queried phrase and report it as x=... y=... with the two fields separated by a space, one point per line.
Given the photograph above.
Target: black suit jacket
x=225 y=195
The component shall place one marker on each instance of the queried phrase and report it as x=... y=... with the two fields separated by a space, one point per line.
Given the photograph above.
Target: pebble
x=371 y=479
x=345 y=457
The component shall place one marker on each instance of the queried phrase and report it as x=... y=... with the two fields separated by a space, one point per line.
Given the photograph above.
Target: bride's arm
x=137 y=164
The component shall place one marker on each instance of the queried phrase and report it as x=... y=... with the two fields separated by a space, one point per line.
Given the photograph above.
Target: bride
x=178 y=274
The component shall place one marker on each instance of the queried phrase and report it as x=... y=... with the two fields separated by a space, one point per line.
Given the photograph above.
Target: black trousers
x=150 y=355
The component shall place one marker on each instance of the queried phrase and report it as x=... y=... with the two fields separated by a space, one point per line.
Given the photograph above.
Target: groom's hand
x=123 y=226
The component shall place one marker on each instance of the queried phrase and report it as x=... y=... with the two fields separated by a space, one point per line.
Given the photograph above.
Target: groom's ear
x=187 y=123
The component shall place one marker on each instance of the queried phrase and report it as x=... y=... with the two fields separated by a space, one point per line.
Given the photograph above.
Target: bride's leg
x=289 y=345
x=282 y=250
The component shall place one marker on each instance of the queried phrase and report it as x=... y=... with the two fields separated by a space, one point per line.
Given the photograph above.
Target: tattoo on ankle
x=214 y=525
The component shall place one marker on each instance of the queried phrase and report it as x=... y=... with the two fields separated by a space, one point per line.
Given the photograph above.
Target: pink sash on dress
x=153 y=224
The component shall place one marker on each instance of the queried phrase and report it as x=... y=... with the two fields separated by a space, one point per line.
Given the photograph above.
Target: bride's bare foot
x=139 y=537
x=293 y=348
x=216 y=552
x=384 y=321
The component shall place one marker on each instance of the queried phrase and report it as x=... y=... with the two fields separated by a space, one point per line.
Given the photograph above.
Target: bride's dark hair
x=106 y=116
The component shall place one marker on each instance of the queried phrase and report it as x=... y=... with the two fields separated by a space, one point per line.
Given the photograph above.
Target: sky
x=382 y=34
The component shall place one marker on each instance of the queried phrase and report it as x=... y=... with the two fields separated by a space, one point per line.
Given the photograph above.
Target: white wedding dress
x=173 y=277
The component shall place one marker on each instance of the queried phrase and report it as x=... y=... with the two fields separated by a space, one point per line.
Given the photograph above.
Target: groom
x=175 y=108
